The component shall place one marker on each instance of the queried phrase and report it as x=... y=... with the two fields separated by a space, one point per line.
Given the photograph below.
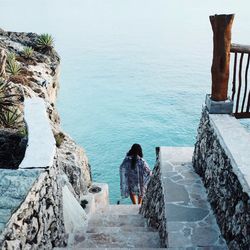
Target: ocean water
x=131 y=71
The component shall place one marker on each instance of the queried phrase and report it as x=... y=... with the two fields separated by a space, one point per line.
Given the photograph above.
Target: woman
x=134 y=174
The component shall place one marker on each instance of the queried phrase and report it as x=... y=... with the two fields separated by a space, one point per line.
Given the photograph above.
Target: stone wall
x=38 y=222
x=31 y=204
x=221 y=158
x=153 y=205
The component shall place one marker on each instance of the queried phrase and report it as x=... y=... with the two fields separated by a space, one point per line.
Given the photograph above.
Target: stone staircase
x=190 y=221
x=117 y=226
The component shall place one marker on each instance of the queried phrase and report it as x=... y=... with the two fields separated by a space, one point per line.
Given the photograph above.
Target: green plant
x=6 y=99
x=9 y=115
x=11 y=57
x=23 y=132
x=13 y=68
x=59 y=138
x=11 y=118
x=45 y=41
x=28 y=52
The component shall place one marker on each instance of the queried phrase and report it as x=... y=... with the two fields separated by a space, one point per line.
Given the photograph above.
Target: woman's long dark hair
x=134 y=151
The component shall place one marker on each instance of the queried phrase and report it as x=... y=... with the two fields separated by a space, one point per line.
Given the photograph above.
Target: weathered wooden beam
x=240 y=48
x=221 y=25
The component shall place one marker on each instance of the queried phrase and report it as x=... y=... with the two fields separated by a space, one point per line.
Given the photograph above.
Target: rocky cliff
x=37 y=221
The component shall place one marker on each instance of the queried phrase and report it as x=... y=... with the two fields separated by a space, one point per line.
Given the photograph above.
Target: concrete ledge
x=74 y=215
x=97 y=202
x=41 y=147
x=235 y=140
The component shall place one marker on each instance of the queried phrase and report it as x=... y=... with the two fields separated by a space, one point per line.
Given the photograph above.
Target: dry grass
x=18 y=79
x=26 y=72
x=26 y=61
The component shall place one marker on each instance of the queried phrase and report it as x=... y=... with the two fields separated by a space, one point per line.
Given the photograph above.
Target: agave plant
x=11 y=57
x=11 y=118
x=6 y=99
x=9 y=115
x=28 y=52
x=45 y=41
x=13 y=68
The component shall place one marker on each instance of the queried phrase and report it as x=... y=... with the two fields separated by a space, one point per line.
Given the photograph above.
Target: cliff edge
x=29 y=68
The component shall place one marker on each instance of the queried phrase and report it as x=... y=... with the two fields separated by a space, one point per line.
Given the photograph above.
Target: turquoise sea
x=132 y=70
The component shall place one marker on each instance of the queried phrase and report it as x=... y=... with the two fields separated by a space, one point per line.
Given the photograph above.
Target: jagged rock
x=12 y=148
x=74 y=165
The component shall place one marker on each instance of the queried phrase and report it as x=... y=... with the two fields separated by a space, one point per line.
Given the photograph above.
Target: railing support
x=221 y=25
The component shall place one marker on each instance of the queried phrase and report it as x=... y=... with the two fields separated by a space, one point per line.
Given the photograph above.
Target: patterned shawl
x=143 y=176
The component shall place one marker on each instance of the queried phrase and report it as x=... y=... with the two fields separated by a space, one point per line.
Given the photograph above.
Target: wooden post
x=221 y=25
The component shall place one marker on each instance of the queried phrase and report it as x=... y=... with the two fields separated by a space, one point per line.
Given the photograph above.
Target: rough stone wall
x=38 y=222
x=153 y=205
x=230 y=204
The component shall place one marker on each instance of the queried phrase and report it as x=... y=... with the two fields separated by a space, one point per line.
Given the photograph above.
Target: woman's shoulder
x=126 y=159
x=143 y=160
x=144 y=163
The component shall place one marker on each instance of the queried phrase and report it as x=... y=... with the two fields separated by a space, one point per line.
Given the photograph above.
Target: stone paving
x=14 y=186
x=190 y=219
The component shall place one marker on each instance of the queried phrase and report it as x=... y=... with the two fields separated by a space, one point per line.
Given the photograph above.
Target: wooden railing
x=240 y=87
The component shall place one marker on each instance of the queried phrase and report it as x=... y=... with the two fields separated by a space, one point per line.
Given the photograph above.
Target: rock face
x=153 y=206
x=12 y=148
x=73 y=162
x=230 y=202
x=40 y=74
x=36 y=221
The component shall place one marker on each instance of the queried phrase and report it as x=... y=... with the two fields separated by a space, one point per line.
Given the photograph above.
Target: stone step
x=121 y=229
x=124 y=248
x=117 y=240
x=122 y=209
x=116 y=220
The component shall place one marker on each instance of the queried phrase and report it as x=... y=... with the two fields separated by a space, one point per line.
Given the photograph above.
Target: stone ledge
x=41 y=142
x=14 y=187
x=234 y=139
